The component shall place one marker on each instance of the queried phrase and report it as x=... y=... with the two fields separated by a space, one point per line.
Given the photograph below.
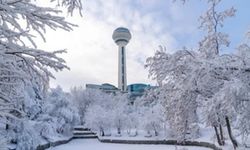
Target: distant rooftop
x=134 y=90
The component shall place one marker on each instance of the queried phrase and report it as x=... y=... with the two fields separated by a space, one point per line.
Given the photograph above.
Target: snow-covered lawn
x=93 y=144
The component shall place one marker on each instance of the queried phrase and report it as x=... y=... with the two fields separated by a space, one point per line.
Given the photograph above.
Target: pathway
x=94 y=144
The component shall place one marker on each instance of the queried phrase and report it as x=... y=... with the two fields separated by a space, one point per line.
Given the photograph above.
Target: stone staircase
x=83 y=133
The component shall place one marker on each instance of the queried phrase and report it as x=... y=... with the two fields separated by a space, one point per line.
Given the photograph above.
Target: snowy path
x=93 y=144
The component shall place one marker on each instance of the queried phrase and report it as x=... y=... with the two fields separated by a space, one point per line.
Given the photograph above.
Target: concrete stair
x=83 y=133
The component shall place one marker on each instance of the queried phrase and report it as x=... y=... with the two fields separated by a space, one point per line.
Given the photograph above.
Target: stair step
x=83 y=133
x=79 y=126
x=85 y=136
x=81 y=129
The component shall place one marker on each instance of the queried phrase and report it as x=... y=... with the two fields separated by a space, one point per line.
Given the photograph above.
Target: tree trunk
x=128 y=131
x=155 y=130
x=7 y=126
x=135 y=132
x=217 y=135
x=156 y=133
x=233 y=140
x=118 y=130
x=102 y=132
x=222 y=135
x=185 y=130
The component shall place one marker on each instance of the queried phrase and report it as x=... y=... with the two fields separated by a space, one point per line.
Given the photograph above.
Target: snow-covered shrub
x=98 y=119
x=118 y=121
x=119 y=112
x=132 y=123
x=93 y=115
x=47 y=128
x=32 y=101
x=150 y=113
x=106 y=112
x=194 y=131
x=83 y=99
x=3 y=143
x=153 y=119
x=27 y=137
x=60 y=111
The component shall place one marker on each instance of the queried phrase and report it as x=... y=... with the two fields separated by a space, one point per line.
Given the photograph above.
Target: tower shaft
x=122 y=72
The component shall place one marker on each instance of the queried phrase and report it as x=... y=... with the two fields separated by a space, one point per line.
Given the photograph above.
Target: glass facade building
x=137 y=89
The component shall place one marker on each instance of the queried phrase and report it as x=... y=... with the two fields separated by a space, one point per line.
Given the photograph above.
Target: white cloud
x=92 y=54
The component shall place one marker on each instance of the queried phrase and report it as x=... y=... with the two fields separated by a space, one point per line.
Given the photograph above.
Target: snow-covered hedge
x=56 y=119
x=114 y=114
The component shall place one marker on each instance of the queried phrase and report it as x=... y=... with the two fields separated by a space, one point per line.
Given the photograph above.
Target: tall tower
x=121 y=36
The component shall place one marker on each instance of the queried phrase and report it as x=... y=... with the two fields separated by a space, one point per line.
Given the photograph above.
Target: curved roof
x=121 y=29
x=121 y=34
x=108 y=86
x=139 y=84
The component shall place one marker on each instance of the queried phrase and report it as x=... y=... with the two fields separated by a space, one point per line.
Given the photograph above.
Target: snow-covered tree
x=150 y=112
x=132 y=122
x=225 y=105
x=82 y=99
x=189 y=79
x=28 y=138
x=25 y=69
x=106 y=112
x=57 y=118
x=153 y=119
x=119 y=112
x=60 y=106
x=211 y=22
x=244 y=122
x=98 y=113
x=176 y=75
x=3 y=144
x=21 y=62
x=98 y=119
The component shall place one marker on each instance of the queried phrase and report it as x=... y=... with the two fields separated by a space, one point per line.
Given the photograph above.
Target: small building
x=106 y=87
x=133 y=90
x=137 y=89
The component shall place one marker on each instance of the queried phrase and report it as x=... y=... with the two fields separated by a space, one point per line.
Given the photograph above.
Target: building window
x=122 y=50
x=123 y=61
x=123 y=79
x=122 y=55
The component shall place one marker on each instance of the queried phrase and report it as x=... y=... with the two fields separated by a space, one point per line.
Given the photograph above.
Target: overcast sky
x=93 y=55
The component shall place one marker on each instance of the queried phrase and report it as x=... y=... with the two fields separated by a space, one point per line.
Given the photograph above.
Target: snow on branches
x=71 y=5
x=20 y=63
x=106 y=112
x=114 y=114
x=204 y=78
x=3 y=144
x=211 y=21
x=188 y=81
x=24 y=69
x=177 y=87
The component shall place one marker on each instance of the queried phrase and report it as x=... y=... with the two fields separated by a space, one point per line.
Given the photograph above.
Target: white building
x=106 y=87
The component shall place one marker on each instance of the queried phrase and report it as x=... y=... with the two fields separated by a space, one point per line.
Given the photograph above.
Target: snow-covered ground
x=94 y=144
